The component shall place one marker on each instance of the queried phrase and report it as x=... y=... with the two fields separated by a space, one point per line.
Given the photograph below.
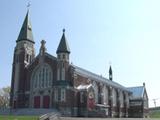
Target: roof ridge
x=135 y=86
x=101 y=78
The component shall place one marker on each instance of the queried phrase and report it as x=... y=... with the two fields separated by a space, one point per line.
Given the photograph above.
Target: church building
x=52 y=82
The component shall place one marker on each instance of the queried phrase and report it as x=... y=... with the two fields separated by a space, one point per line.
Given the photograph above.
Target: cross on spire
x=29 y=4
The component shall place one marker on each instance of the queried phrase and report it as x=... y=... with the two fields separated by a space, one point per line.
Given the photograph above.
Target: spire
x=63 y=45
x=26 y=30
x=110 y=73
x=144 y=84
x=110 y=70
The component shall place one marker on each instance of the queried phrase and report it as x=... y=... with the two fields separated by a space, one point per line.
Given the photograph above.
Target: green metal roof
x=63 y=45
x=26 y=30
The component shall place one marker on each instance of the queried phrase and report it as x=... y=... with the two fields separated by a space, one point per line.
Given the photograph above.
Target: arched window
x=42 y=77
x=114 y=93
x=95 y=87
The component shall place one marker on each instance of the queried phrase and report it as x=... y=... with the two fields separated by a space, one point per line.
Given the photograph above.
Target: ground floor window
x=63 y=94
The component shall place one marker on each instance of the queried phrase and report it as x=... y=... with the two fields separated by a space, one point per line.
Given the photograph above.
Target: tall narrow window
x=58 y=74
x=50 y=80
x=38 y=84
x=59 y=56
x=63 y=56
x=27 y=57
x=62 y=65
x=17 y=58
x=63 y=95
x=47 y=77
x=35 y=81
x=56 y=95
x=81 y=97
x=63 y=74
x=30 y=59
x=43 y=70
x=40 y=79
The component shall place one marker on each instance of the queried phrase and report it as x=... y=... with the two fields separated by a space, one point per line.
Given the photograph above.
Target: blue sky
x=125 y=33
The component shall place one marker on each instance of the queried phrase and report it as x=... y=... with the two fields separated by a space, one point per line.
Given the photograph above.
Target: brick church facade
x=46 y=81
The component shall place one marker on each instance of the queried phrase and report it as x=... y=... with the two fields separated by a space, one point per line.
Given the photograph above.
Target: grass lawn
x=6 y=117
x=155 y=114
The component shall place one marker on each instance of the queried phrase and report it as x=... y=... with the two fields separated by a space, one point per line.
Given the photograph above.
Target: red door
x=37 y=102
x=46 y=101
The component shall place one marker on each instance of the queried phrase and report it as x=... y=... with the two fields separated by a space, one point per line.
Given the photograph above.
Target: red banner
x=91 y=104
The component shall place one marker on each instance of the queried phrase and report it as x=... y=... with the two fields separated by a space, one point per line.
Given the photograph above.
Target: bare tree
x=4 y=97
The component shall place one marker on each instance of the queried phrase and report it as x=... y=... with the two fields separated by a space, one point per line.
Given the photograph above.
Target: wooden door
x=37 y=102
x=46 y=101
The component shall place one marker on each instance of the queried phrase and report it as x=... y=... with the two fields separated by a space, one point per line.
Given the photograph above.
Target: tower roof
x=63 y=45
x=26 y=30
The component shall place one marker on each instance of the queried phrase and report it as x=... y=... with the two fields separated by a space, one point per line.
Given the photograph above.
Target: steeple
x=110 y=74
x=26 y=30
x=63 y=52
x=63 y=45
x=23 y=56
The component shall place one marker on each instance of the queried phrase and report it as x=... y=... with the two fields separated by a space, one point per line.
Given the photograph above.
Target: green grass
x=6 y=117
x=155 y=114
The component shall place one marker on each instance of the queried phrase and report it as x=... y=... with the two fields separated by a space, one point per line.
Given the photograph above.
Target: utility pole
x=154 y=101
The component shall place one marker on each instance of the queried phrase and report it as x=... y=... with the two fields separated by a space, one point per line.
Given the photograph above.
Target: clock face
x=29 y=50
x=91 y=95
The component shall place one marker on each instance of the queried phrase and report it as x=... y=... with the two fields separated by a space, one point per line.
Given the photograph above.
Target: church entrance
x=37 y=102
x=46 y=101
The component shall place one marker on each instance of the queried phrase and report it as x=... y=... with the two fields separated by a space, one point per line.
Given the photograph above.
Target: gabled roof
x=26 y=30
x=63 y=45
x=98 y=78
x=37 y=57
x=137 y=92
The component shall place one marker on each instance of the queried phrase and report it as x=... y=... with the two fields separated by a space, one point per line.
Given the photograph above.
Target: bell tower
x=63 y=52
x=24 y=53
